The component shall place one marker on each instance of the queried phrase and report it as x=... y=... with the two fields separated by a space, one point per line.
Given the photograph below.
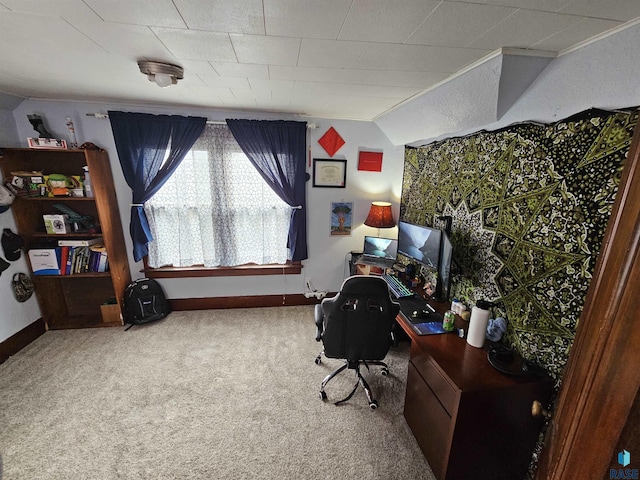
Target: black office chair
x=357 y=325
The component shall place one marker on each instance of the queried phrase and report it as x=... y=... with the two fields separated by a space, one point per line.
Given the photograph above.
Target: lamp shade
x=380 y=216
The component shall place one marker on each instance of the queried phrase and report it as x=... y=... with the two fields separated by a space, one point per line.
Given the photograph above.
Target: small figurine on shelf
x=58 y=184
x=86 y=182
x=38 y=126
x=73 y=143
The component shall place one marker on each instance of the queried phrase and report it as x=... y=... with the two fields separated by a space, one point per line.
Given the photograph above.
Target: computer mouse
x=420 y=313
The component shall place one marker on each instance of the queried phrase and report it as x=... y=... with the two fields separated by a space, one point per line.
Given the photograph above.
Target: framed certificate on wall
x=329 y=173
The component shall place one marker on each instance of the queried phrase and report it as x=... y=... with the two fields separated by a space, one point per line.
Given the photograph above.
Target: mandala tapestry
x=530 y=204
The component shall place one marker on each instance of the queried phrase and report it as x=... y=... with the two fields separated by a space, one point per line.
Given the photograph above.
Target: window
x=216 y=210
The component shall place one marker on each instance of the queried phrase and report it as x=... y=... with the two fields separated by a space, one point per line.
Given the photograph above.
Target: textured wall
x=530 y=204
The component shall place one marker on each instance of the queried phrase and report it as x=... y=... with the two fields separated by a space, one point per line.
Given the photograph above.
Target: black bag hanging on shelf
x=144 y=302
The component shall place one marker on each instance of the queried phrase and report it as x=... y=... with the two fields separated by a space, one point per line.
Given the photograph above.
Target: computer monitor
x=419 y=243
x=443 y=285
x=384 y=248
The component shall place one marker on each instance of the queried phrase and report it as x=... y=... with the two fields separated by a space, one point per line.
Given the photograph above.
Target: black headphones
x=501 y=358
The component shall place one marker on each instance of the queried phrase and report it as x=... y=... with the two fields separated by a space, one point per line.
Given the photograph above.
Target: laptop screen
x=385 y=248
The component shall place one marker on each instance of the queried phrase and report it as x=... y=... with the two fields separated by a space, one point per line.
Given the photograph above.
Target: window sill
x=239 y=271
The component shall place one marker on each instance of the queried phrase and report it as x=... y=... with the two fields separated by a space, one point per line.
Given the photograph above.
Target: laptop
x=378 y=252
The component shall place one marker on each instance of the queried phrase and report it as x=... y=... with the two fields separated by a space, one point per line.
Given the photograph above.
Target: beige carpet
x=229 y=394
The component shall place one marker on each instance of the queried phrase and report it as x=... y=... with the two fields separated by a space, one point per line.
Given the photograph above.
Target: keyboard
x=397 y=288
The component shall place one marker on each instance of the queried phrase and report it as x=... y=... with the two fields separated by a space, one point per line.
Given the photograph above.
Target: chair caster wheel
x=318 y=360
x=385 y=372
x=323 y=395
x=373 y=404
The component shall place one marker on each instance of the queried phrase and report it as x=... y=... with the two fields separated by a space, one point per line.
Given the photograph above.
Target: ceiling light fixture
x=164 y=74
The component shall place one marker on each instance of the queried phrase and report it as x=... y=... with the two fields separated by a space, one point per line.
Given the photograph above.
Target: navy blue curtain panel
x=277 y=150
x=141 y=142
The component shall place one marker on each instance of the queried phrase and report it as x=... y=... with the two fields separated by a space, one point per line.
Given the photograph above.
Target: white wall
x=14 y=316
x=602 y=74
x=326 y=253
x=8 y=132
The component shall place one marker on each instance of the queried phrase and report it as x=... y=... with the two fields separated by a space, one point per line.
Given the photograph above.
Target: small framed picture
x=341 y=213
x=329 y=173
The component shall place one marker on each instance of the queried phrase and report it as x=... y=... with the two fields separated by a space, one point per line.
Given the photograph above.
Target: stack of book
x=70 y=257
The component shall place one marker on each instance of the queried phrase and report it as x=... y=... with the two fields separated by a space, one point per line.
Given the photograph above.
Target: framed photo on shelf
x=46 y=143
x=329 y=173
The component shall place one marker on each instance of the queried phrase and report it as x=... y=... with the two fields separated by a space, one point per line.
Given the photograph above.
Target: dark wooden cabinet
x=72 y=301
x=471 y=421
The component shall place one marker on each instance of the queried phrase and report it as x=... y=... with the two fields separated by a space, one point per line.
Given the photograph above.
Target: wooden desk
x=471 y=421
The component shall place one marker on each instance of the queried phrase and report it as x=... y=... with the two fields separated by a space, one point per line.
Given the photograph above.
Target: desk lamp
x=380 y=216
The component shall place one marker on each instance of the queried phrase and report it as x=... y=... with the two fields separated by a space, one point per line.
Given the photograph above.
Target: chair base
x=360 y=380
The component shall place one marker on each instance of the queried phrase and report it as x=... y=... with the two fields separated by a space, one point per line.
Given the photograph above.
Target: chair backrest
x=359 y=319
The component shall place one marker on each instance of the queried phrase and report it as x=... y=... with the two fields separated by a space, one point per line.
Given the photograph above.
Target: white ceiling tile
x=240 y=102
x=197 y=45
x=118 y=38
x=72 y=10
x=330 y=53
x=369 y=20
x=524 y=29
x=586 y=28
x=25 y=31
x=215 y=80
x=204 y=91
x=197 y=67
x=271 y=85
x=192 y=80
x=238 y=16
x=241 y=70
x=457 y=24
x=421 y=80
x=341 y=106
x=266 y=50
x=385 y=56
x=333 y=58
x=621 y=10
x=242 y=89
x=157 y=13
x=305 y=18
x=257 y=95
x=541 y=5
x=355 y=90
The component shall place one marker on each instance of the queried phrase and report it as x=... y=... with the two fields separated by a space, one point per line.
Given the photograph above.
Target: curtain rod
x=209 y=122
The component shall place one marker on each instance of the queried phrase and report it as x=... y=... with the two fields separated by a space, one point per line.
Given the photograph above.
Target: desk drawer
x=446 y=393
x=429 y=422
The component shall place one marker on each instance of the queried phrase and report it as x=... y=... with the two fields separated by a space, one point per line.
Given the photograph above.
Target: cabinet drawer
x=428 y=420
x=446 y=393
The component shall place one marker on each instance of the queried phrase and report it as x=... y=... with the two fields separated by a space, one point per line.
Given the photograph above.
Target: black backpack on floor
x=144 y=302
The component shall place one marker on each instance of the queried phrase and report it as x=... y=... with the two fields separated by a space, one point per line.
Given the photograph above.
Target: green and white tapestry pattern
x=530 y=204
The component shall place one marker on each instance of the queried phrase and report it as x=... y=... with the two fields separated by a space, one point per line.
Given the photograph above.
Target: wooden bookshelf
x=71 y=301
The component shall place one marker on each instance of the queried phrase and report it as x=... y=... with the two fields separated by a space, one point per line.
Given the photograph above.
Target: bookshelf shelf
x=72 y=300
x=61 y=236
x=76 y=275
x=59 y=199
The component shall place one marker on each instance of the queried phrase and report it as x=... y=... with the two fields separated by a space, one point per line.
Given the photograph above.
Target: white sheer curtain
x=216 y=210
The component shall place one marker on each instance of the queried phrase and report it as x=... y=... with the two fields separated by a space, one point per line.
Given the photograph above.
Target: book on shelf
x=64 y=256
x=45 y=261
x=68 y=260
x=80 y=243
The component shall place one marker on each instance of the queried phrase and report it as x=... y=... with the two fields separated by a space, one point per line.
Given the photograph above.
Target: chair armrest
x=319 y=319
